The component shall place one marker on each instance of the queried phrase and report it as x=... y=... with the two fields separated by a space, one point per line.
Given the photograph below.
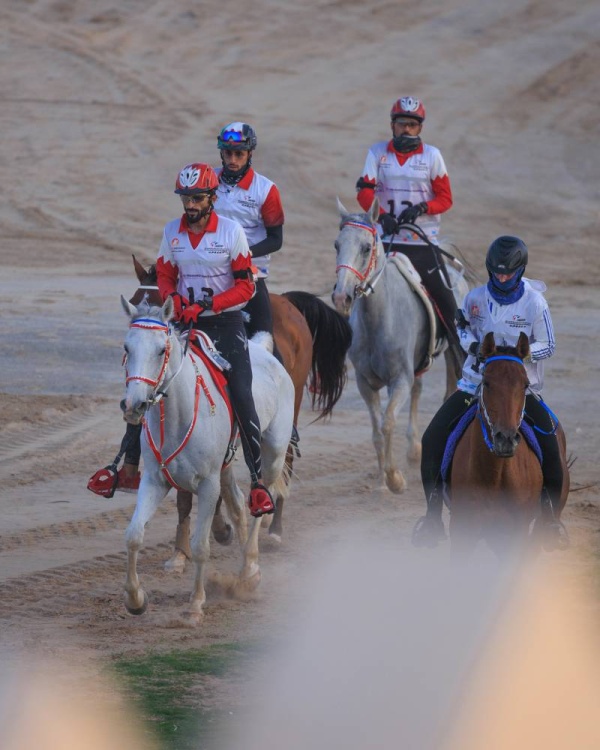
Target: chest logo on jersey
x=215 y=247
x=517 y=322
x=247 y=201
x=175 y=242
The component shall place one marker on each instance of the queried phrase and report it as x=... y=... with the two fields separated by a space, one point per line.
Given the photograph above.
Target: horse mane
x=359 y=217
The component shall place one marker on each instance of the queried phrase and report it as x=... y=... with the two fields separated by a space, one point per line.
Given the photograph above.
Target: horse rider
x=411 y=181
x=254 y=202
x=507 y=305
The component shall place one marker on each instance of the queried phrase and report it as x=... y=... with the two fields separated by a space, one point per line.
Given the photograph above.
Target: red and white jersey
x=221 y=250
x=255 y=203
x=418 y=177
x=529 y=315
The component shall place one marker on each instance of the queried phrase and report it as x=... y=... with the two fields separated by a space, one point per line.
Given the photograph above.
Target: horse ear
x=168 y=309
x=341 y=208
x=130 y=309
x=140 y=271
x=523 y=346
x=374 y=211
x=489 y=345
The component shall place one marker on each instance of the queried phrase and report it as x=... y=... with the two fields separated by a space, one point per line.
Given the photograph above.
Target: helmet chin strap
x=230 y=177
x=405 y=143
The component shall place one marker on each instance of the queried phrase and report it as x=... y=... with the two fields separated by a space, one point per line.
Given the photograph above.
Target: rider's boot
x=554 y=533
x=260 y=501
x=128 y=478
x=429 y=529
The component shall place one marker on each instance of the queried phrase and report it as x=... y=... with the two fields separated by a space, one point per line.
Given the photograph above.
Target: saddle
x=203 y=347
x=410 y=273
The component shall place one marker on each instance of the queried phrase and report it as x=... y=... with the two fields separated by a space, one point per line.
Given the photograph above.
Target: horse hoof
x=224 y=536
x=275 y=537
x=395 y=482
x=176 y=563
x=137 y=610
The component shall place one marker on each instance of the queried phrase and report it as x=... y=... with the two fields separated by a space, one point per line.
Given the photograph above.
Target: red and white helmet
x=196 y=178
x=408 y=106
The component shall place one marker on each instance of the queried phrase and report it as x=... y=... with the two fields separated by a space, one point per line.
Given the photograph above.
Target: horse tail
x=332 y=337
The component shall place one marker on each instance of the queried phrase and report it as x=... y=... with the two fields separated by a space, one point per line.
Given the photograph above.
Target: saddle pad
x=406 y=268
x=459 y=431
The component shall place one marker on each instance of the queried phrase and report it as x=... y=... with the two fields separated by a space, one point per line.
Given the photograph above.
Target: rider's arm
x=541 y=340
x=167 y=272
x=241 y=267
x=272 y=216
x=463 y=327
x=440 y=185
x=271 y=244
x=367 y=182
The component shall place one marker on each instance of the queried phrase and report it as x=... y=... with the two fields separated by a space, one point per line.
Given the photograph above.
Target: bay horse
x=391 y=335
x=186 y=437
x=495 y=477
x=313 y=340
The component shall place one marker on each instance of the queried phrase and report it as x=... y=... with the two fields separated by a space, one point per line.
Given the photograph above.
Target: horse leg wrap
x=182 y=538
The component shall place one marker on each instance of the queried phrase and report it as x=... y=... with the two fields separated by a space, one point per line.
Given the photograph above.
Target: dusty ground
x=103 y=103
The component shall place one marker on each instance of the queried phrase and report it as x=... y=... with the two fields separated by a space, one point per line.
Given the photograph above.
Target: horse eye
x=366 y=249
x=162 y=352
x=336 y=244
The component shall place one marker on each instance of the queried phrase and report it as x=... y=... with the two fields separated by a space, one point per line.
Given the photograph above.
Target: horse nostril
x=123 y=405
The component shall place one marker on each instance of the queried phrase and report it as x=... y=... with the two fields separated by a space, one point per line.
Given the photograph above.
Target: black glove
x=388 y=223
x=475 y=350
x=412 y=213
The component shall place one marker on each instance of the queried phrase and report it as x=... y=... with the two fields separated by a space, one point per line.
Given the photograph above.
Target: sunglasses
x=233 y=136
x=197 y=198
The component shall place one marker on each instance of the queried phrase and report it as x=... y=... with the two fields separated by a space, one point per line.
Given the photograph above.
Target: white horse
x=390 y=335
x=185 y=439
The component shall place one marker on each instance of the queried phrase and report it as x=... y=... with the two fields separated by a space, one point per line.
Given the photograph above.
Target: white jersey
x=529 y=315
x=255 y=203
x=412 y=181
x=222 y=250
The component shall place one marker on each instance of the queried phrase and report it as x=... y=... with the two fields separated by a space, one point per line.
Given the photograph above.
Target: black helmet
x=506 y=255
x=237 y=136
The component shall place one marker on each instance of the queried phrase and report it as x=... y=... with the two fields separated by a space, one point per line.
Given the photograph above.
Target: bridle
x=150 y=324
x=483 y=412
x=366 y=285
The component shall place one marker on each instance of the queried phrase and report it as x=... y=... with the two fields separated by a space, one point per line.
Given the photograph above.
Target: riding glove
x=388 y=223
x=179 y=304
x=193 y=312
x=412 y=213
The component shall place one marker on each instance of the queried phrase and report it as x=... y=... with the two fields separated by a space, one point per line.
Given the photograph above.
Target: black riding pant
x=439 y=429
x=261 y=314
x=428 y=261
x=229 y=336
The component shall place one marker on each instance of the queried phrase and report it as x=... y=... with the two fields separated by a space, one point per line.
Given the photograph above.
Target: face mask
x=405 y=143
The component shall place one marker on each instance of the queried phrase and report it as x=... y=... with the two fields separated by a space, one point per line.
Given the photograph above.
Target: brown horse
x=496 y=477
x=312 y=339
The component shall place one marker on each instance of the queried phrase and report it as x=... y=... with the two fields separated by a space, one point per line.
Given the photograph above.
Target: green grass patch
x=166 y=688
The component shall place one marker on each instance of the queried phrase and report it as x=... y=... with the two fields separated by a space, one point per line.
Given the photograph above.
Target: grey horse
x=390 y=335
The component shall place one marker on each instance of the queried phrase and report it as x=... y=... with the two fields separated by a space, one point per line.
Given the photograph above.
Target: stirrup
x=260 y=501
x=428 y=531
x=104 y=481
